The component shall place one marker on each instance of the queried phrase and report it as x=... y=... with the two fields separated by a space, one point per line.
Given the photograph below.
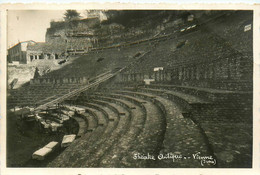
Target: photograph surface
x=129 y=88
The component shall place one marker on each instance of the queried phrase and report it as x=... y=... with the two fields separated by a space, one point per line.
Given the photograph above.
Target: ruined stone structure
x=187 y=93
x=75 y=35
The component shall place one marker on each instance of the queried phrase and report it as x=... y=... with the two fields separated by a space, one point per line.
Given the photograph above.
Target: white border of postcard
x=126 y=171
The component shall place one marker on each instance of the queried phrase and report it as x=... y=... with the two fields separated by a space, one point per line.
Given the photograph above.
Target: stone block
x=148 y=81
x=41 y=153
x=67 y=140
x=67 y=117
x=45 y=125
x=55 y=126
x=77 y=109
x=157 y=68
x=52 y=145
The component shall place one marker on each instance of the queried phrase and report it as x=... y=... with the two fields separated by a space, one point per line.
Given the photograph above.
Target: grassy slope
x=218 y=39
x=89 y=66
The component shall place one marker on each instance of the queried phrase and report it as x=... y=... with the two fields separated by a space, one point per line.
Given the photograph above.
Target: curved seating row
x=130 y=134
x=82 y=126
x=154 y=120
x=94 y=139
x=179 y=131
x=119 y=131
x=205 y=93
x=222 y=112
x=119 y=150
x=110 y=126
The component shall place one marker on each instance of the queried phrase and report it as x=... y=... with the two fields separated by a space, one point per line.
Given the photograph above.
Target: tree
x=71 y=15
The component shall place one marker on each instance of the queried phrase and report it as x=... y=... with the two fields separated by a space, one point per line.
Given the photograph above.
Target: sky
x=23 y=25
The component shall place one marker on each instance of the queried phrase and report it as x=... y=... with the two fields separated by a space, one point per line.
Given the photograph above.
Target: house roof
x=47 y=47
x=36 y=46
x=29 y=41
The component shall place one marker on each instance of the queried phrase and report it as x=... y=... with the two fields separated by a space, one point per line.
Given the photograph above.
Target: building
x=17 y=53
x=31 y=51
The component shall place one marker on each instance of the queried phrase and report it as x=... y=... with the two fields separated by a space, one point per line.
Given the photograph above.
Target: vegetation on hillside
x=71 y=15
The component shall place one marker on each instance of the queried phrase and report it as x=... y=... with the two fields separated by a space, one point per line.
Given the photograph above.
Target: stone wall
x=232 y=73
x=74 y=34
x=66 y=80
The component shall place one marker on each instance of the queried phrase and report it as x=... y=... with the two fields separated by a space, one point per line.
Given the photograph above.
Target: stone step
x=182 y=136
x=71 y=156
x=146 y=140
x=187 y=102
x=123 y=103
x=190 y=99
x=82 y=126
x=110 y=138
x=150 y=97
x=93 y=151
x=92 y=122
x=126 y=142
x=119 y=110
x=100 y=116
x=112 y=114
x=99 y=108
x=206 y=93
x=116 y=136
x=137 y=101
x=110 y=127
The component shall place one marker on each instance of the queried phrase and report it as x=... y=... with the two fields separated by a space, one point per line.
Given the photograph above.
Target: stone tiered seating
x=109 y=126
x=230 y=31
x=181 y=133
x=82 y=126
x=76 y=148
x=98 y=136
x=100 y=115
x=33 y=95
x=182 y=96
x=110 y=117
x=218 y=102
x=224 y=113
x=205 y=93
x=186 y=101
x=111 y=132
x=128 y=136
x=121 y=102
x=119 y=132
x=120 y=57
x=132 y=99
x=154 y=119
x=110 y=113
x=126 y=144
x=133 y=133
x=91 y=120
